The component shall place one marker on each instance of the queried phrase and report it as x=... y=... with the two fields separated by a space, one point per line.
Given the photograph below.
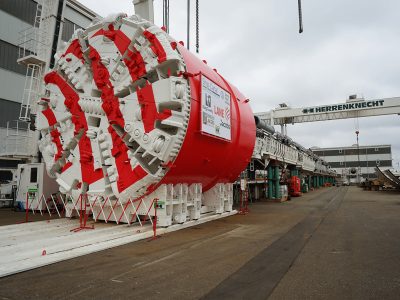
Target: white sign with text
x=215 y=109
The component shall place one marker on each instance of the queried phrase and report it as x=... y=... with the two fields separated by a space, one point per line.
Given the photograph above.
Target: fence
x=85 y=205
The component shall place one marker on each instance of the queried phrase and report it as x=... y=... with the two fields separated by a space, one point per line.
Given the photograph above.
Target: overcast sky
x=347 y=47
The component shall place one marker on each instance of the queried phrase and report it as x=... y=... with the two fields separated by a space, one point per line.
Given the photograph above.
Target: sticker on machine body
x=216 y=109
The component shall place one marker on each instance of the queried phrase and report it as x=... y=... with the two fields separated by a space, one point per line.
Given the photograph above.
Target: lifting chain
x=188 y=23
x=197 y=26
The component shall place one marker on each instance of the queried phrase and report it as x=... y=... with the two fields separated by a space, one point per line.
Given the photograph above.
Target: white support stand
x=176 y=205
x=220 y=198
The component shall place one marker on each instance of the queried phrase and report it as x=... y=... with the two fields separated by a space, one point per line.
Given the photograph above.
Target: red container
x=294 y=186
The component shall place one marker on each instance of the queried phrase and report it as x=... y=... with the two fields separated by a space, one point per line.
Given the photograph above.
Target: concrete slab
x=31 y=245
x=352 y=254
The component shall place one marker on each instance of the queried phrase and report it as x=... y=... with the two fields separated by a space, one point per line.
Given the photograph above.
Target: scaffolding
x=34 y=51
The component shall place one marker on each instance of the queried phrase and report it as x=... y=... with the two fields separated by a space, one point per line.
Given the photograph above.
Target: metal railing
x=273 y=147
x=19 y=139
x=35 y=40
x=30 y=97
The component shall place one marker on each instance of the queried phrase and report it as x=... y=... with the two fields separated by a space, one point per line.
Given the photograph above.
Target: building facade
x=15 y=17
x=366 y=157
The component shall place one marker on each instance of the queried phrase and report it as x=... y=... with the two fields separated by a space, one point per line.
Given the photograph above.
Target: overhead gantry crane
x=354 y=107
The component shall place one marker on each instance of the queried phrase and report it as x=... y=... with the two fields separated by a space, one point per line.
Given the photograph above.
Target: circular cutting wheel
x=116 y=109
x=127 y=109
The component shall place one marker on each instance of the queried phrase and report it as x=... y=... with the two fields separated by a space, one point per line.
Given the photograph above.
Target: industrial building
x=18 y=18
x=366 y=157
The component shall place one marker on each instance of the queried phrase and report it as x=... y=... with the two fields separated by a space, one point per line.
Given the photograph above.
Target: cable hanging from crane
x=197 y=26
x=166 y=15
x=188 y=23
x=300 y=18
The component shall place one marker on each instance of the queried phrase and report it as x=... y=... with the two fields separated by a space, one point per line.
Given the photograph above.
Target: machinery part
x=382 y=176
x=263 y=125
x=300 y=18
x=197 y=26
x=391 y=176
x=122 y=118
x=350 y=109
x=32 y=122
x=353 y=171
x=294 y=186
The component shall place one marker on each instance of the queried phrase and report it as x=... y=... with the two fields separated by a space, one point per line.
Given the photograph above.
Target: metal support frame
x=354 y=108
x=155 y=221
x=83 y=215
x=26 y=210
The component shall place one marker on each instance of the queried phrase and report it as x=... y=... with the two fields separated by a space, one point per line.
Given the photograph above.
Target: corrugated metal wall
x=8 y=58
x=9 y=110
x=24 y=10
x=68 y=30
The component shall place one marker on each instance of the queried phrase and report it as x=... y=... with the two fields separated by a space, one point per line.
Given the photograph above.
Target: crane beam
x=356 y=108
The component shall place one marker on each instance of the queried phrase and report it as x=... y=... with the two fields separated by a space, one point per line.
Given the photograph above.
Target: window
x=5 y=175
x=340 y=151
x=24 y=10
x=378 y=162
x=68 y=30
x=376 y=149
x=34 y=175
x=341 y=163
x=8 y=163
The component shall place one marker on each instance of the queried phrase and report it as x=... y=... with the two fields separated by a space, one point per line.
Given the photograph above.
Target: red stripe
x=89 y=174
x=102 y=79
x=56 y=140
x=127 y=176
x=149 y=109
x=110 y=105
x=157 y=48
x=135 y=63
x=49 y=114
x=67 y=165
x=75 y=49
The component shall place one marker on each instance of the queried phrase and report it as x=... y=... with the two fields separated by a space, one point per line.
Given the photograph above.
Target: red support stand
x=155 y=221
x=83 y=216
x=246 y=200
x=241 y=210
x=26 y=210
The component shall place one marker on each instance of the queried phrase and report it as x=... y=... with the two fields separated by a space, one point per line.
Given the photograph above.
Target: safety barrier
x=243 y=198
x=269 y=146
x=86 y=205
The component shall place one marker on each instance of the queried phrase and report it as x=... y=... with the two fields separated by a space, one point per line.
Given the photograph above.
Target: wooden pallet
x=372 y=188
x=273 y=200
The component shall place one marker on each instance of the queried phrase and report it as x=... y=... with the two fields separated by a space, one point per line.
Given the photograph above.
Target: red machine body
x=204 y=158
x=132 y=98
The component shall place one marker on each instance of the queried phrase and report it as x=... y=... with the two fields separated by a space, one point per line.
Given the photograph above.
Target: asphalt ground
x=331 y=243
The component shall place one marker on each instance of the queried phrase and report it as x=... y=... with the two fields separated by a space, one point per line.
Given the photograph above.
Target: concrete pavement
x=333 y=243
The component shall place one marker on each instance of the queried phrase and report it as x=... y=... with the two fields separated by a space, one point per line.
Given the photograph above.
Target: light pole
x=358 y=154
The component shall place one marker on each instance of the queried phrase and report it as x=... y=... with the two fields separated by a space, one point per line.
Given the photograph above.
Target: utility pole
x=358 y=154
